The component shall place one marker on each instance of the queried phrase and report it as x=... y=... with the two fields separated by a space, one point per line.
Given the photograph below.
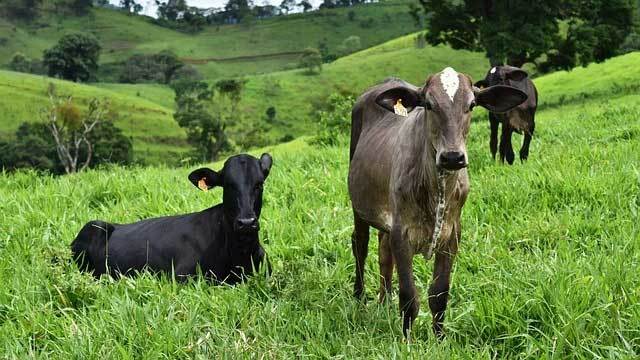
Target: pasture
x=547 y=267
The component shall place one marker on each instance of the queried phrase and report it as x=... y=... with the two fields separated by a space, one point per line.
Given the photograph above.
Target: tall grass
x=548 y=262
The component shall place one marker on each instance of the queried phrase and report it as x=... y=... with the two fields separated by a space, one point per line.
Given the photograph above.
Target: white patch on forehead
x=493 y=70
x=450 y=82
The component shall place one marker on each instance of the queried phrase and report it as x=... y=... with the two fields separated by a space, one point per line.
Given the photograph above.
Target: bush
x=311 y=59
x=35 y=148
x=163 y=67
x=335 y=122
x=630 y=44
x=20 y=62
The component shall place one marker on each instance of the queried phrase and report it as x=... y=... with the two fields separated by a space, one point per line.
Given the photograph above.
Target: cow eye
x=427 y=104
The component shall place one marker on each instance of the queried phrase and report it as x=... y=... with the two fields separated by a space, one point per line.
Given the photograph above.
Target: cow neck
x=239 y=242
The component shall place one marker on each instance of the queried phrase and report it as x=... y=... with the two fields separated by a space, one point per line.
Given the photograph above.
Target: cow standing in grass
x=520 y=119
x=222 y=242
x=408 y=178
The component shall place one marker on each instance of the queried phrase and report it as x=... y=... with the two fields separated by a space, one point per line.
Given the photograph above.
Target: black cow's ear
x=409 y=97
x=516 y=74
x=480 y=84
x=205 y=178
x=265 y=164
x=499 y=98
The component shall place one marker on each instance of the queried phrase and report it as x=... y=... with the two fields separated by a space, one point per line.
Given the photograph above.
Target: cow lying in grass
x=408 y=178
x=221 y=241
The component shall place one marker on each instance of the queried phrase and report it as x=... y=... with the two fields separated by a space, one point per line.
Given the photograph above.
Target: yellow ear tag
x=203 y=185
x=399 y=109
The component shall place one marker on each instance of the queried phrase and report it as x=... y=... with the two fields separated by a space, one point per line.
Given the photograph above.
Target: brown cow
x=521 y=119
x=408 y=178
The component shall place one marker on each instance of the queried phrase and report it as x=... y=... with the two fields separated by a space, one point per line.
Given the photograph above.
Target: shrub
x=74 y=57
x=311 y=59
x=335 y=122
x=631 y=43
x=20 y=62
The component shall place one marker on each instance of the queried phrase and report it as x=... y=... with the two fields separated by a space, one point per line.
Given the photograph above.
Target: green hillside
x=547 y=266
x=156 y=136
x=265 y=46
x=144 y=107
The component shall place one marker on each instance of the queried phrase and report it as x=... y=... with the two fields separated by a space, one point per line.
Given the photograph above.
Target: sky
x=150 y=5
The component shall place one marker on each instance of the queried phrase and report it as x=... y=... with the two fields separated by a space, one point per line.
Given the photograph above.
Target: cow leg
x=439 y=289
x=360 y=247
x=524 y=151
x=409 y=302
x=493 y=140
x=385 y=260
x=506 y=149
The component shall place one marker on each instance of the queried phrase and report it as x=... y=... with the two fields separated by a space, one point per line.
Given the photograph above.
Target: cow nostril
x=452 y=159
x=246 y=223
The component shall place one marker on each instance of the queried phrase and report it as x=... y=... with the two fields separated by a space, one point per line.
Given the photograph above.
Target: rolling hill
x=217 y=51
x=547 y=266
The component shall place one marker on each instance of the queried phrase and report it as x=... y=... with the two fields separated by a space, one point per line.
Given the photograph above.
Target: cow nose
x=452 y=160
x=247 y=224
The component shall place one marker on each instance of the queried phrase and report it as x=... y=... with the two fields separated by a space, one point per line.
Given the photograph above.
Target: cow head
x=502 y=75
x=241 y=179
x=448 y=98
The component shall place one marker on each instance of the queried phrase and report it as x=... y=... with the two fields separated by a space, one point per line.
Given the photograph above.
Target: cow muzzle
x=451 y=160
x=246 y=225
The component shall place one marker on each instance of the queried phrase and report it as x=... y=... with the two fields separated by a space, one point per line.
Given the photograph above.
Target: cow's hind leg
x=493 y=140
x=524 y=151
x=360 y=248
x=439 y=289
x=385 y=260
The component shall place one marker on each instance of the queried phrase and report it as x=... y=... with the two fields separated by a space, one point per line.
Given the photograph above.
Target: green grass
x=156 y=136
x=122 y=35
x=547 y=268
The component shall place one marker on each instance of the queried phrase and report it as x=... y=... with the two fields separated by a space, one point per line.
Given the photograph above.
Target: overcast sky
x=150 y=5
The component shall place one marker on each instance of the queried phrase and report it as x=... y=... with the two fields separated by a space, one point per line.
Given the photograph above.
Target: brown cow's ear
x=410 y=98
x=205 y=178
x=516 y=74
x=499 y=98
x=265 y=164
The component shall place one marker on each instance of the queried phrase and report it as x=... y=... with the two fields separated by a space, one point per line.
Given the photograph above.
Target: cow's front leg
x=439 y=289
x=403 y=255
x=493 y=140
x=506 y=149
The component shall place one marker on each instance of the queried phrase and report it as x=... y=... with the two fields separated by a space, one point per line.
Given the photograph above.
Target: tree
x=71 y=129
x=306 y=5
x=20 y=62
x=203 y=122
x=287 y=5
x=81 y=7
x=271 y=114
x=20 y=9
x=131 y=6
x=519 y=31
x=238 y=9
x=171 y=9
x=74 y=57
x=311 y=60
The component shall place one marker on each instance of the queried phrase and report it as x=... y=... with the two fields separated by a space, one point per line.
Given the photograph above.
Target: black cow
x=520 y=119
x=221 y=241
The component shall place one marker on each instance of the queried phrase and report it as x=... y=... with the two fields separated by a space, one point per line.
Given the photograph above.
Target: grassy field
x=122 y=35
x=548 y=262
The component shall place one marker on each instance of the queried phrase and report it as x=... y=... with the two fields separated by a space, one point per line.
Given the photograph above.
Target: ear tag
x=399 y=109
x=202 y=184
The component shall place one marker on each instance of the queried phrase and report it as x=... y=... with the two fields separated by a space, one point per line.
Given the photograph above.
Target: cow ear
x=205 y=178
x=481 y=84
x=516 y=74
x=499 y=98
x=409 y=97
x=265 y=164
